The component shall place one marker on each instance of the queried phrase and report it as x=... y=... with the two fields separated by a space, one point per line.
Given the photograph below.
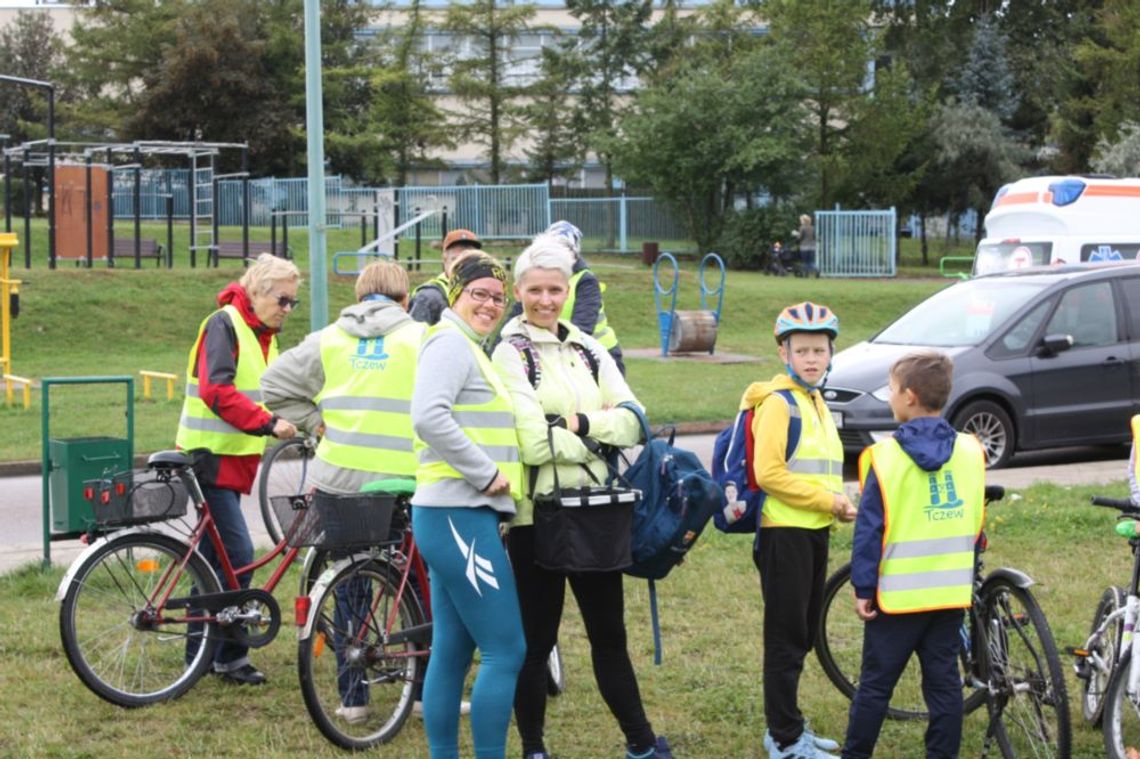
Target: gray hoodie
x=297 y=376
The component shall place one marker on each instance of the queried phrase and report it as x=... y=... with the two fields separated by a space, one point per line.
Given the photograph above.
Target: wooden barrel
x=693 y=332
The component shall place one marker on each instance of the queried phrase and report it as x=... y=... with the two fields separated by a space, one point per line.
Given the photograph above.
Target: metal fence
x=856 y=243
x=618 y=224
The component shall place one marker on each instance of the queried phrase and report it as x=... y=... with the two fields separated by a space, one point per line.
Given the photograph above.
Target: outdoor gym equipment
x=9 y=309
x=688 y=331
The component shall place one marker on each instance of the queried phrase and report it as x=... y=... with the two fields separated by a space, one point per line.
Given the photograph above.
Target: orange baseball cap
x=461 y=235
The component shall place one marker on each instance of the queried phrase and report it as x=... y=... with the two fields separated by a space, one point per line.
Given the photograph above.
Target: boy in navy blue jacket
x=912 y=562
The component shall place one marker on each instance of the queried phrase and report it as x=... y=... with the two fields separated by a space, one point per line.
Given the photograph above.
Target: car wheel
x=990 y=423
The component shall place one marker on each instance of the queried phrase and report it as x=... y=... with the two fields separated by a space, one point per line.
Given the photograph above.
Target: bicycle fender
x=321 y=585
x=1010 y=575
x=65 y=583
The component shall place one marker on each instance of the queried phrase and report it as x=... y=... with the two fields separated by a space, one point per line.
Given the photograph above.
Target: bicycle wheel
x=839 y=648
x=358 y=677
x=284 y=471
x=1026 y=696
x=1101 y=661
x=119 y=645
x=1121 y=725
x=555 y=674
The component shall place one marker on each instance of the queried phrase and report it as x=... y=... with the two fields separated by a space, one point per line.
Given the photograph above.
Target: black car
x=1043 y=358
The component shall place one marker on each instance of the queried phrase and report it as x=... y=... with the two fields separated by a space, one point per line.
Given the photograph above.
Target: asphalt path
x=21 y=514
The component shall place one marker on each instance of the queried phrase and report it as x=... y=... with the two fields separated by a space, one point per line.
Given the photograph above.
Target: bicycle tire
x=1121 y=723
x=555 y=673
x=122 y=659
x=1027 y=699
x=349 y=653
x=284 y=471
x=839 y=649
x=1105 y=650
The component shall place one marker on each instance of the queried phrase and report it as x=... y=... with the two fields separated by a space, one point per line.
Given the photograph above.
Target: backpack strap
x=529 y=358
x=534 y=367
x=795 y=423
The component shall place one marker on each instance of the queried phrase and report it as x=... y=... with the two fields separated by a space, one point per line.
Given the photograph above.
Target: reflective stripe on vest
x=366 y=400
x=931 y=522
x=490 y=426
x=817 y=459
x=603 y=332
x=199 y=426
x=1135 y=448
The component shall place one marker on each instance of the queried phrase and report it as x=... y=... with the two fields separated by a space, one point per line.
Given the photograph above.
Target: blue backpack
x=732 y=457
x=678 y=499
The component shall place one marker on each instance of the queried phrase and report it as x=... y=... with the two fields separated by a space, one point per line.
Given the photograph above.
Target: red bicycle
x=134 y=602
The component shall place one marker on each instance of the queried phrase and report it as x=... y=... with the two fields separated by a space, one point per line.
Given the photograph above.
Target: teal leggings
x=474 y=604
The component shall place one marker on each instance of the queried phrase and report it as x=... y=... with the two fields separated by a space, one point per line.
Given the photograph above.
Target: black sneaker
x=246 y=674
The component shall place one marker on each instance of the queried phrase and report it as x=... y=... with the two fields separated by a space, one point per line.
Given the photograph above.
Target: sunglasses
x=284 y=301
x=479 y=295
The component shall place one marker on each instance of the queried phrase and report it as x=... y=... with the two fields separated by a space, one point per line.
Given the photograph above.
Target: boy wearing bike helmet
x=803 y=496
x=912 y=561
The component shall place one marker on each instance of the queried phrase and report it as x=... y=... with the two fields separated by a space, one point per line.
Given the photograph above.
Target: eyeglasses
x=284 y=301
x=479 y=295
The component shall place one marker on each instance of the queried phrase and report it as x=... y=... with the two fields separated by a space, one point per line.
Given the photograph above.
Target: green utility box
x=74 y=461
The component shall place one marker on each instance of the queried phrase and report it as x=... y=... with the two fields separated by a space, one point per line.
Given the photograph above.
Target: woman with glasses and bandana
x=468 y=481
x=224 y=425
x=566 y=387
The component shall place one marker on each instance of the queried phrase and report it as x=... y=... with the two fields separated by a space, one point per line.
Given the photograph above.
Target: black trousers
x=888 y=642
x=602 y=603
x=793 y=569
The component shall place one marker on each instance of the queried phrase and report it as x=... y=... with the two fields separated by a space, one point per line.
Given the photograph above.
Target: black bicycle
x=1009 y=660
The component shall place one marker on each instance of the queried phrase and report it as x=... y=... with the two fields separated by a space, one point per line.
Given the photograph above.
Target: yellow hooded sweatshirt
x=770 y=430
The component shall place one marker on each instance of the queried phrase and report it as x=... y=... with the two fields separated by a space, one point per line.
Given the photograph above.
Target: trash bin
x=649 y=252
x=74 y=461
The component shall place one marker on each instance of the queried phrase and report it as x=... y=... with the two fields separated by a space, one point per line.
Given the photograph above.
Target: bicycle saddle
x=168 y=460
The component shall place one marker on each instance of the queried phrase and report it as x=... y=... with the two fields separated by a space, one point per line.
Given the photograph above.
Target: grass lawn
x=706 y=697
x=75 y=321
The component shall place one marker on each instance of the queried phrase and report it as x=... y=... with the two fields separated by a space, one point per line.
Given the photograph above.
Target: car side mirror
x=1051 y=345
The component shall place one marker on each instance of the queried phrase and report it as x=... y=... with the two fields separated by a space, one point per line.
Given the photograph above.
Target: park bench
x=125 y=249
x=227 y=249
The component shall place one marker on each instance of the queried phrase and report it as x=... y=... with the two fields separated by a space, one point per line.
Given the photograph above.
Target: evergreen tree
x=556 y=144
x=481 y=76
x=985 y=79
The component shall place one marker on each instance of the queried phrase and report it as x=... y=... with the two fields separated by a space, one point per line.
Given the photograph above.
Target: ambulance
x=1053 y=220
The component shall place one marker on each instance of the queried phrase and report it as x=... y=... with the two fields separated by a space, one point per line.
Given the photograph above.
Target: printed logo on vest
x=370 y=354
x=944 y=501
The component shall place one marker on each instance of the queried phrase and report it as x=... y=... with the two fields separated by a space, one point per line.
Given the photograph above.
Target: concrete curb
x=29 y=468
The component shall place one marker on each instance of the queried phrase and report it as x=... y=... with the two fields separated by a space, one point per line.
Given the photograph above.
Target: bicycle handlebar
x=994 y=493
x=1122 y=504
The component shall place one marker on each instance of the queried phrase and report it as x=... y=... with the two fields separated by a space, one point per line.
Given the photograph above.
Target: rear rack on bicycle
x=136 y=497
x=328 y=521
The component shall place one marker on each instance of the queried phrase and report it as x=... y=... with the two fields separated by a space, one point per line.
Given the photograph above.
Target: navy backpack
x=678 y=497
x=733 y=453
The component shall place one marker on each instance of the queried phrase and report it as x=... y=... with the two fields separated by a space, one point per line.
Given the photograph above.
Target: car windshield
x=962 y=315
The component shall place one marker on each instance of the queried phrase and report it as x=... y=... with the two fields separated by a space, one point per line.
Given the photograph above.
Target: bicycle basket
x=344 y=521
x=137 y=497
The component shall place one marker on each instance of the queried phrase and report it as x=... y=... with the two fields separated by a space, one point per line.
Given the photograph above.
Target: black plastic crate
x=329 y=521
x=138 y=497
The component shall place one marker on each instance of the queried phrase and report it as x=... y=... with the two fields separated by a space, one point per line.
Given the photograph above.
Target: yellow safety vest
x=490 y=425
x=818 y=458
x=366 y=400
x=199 y=426
x=1135 y=447
x=438 y=282
x=931 y=522
x=603 y=332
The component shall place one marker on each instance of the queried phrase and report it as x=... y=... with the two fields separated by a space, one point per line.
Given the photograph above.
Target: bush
x=748 y=235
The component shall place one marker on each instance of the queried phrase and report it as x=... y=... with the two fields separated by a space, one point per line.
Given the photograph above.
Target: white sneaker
x=352 y=714
x=418 y=708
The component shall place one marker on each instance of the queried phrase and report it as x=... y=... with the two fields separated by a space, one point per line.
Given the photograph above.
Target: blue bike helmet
x=806 y=317
x=568 y=232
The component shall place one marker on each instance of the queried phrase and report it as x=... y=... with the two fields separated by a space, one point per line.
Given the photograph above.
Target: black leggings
x=601 y=600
